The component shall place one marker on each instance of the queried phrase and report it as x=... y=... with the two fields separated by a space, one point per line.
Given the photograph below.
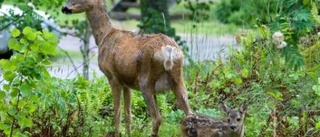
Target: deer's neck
x=100 y=23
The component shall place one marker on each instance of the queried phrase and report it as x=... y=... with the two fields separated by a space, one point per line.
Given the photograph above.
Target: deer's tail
x=168 y=55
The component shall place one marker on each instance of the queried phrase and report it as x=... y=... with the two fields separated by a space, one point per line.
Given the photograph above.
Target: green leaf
x=3 y=63
x=12 y=111
x=302 y=15
x=27 y=30
x=238 y=80
x=28 y=122
x=306 y=2
x=26 y=89
x=313 y=75
x=15 y=32
x=8 y=75
x=14 y=44
x=6 y=87
x=2 y=95
x=48 y=49
x=32 y=108
x=276 y=95
x=244 y=73
x=318 y=125
x=316 y=89
x=31 y=36
x=25 y=121
x=14 y=92
x=47 y=35
x=215 y=84
x=34 y=47
x=24 y=41
x=4 y=126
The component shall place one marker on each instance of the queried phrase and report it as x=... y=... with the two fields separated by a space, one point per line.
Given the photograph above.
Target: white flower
x=277 y=38
x=282 y=45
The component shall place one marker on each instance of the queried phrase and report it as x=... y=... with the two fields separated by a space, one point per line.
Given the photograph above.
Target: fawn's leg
x=116 y=92
x=127 y=109
x=147 y=88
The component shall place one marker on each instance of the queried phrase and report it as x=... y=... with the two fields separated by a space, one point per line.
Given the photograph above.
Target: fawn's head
x=235 y=117
x=78 y=6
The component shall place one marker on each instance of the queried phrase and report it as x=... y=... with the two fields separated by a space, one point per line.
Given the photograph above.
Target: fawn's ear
x=224 y=107
x=244 y=107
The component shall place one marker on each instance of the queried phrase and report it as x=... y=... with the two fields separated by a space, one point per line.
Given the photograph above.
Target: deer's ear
x=244 y=107
x=224 y=107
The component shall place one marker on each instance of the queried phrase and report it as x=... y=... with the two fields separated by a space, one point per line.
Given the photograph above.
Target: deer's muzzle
x=66 y=10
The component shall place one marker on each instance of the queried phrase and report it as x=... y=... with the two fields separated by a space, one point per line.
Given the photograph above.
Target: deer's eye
x=238 y=119
x=228 y=120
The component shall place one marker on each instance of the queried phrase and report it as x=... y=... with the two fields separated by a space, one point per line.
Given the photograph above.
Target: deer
x=232 y=125
x=150 y=63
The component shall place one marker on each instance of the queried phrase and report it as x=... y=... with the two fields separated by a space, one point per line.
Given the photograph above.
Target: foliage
x=283 y=101
x=199 y=10
x=28 y=16
x=22 y=72
x=35 y=104
x=155 y=19
x=294 y=18
x=246 y=13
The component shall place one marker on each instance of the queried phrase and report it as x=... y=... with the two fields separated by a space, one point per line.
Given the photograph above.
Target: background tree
x=155 y=17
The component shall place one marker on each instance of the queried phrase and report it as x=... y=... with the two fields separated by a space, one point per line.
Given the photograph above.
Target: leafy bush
x=282 y=100
x=247 y=12
x=35 y=104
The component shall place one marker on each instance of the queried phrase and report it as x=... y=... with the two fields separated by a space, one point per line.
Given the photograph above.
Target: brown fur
x=204 y=126
x=149 y=63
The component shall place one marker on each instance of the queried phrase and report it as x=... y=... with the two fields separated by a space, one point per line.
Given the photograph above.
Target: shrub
x=35 y=104
x=247 y=12
x=282 y=100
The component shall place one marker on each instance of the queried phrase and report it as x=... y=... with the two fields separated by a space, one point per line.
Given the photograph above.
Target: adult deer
x=149 y=63
x=204 y=126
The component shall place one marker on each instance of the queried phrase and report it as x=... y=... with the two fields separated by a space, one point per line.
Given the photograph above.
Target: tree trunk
x=85 y=50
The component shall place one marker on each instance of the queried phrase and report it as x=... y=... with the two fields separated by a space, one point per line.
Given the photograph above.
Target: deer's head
x=235 y=116
x=78 y=6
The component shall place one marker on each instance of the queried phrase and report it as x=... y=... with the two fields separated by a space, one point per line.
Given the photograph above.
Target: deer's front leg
x=148 y=92
x=116 y=92
x=127 y=107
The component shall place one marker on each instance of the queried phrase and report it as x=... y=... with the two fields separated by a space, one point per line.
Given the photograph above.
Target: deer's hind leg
x=147 y=87
x=179 y=88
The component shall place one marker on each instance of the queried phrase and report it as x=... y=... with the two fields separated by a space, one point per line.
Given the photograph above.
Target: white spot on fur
x=168 y=54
